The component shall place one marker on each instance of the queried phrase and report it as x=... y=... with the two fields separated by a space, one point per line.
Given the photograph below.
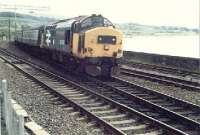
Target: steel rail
x=164 y=69
x=150 y=105
x=18 y=65
x=171 y=80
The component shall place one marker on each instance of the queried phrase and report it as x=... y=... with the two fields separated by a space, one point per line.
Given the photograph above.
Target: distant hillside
x=22 y=20
x=129 y=29
x=25 y=20
x=132 y=29
x=26 y=17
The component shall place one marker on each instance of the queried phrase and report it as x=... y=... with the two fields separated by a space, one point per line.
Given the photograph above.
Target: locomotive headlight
x=90 y=49
x=106 y=47
x=92 y=41
x=113 y=39
x=119 y=51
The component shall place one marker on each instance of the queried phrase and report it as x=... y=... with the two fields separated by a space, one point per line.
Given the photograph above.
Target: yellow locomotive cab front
x=103 y=42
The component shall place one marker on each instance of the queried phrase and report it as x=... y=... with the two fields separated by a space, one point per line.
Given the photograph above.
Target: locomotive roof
x=62 y=23
x=79 y=18
x=66 y=22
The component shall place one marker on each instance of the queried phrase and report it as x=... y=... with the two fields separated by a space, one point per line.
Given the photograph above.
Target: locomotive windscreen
x=95 y=21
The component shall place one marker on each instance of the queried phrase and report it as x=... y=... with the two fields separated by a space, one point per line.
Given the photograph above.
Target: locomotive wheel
x=115 y=70
x=60 y=58
x=53 y=56
x=93 y=70
x=106 y=71
x=80 y=67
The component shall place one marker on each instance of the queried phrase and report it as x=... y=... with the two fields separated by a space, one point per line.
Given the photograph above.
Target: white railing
x=14 y=115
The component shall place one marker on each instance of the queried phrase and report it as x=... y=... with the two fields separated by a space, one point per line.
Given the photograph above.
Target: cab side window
x=67 y=37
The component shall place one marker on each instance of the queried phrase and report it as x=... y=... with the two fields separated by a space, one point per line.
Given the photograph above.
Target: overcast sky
x=151 y=12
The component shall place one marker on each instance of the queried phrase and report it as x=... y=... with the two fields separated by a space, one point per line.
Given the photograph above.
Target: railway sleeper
x=175 y=108
x=128 y=121
x=194 y=117
x=92 y=104
x=80 y=98
x=106 y=111
x=70 y=92
x=138 y=127
x=188 y=113
x=156 y=101
x=75 y=95
x=112 y=117
x=93 y=109
x=165 y=104
x=125 y=123
x=87 y=101
x=151 y=98
x=139 y=130
x=135 y=92
x=163 y=119
x=154 y=132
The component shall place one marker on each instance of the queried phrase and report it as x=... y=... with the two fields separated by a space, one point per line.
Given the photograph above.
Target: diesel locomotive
x=88 y=44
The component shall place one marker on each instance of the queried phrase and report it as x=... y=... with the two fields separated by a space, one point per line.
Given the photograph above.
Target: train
x=89 y=44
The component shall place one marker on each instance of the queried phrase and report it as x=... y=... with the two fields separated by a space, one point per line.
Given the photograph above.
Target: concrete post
x=0 y=110
x=21 y=125
x=1 y=106
x=4 y=91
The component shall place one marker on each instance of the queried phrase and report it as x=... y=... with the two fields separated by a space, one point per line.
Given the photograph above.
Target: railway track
x=165 y=70
x=116 y=118
x=161 y=78
x=180 y=115
x=172 y=115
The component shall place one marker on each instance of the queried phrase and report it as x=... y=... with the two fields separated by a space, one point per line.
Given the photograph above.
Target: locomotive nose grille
x=107 y=40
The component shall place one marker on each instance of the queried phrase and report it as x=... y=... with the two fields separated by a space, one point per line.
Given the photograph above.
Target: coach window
x=67 y=37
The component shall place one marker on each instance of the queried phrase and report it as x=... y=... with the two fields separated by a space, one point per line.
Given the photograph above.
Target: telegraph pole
x=20 y=7
x=15 y=21
x=9 y=29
